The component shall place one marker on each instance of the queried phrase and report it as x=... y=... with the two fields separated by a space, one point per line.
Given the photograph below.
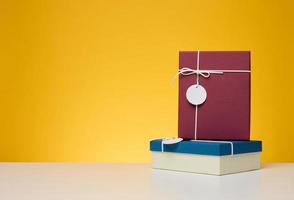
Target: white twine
x=186 y=71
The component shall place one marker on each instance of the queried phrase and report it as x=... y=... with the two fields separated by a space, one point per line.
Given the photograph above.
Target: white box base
x=204 y=164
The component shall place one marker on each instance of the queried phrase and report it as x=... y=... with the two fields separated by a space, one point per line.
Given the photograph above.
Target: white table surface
x=69 y=181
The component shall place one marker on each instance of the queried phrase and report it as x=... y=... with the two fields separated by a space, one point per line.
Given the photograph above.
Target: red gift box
x=225 y=114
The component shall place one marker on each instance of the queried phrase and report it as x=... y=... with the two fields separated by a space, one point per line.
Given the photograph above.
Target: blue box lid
x=214 y=148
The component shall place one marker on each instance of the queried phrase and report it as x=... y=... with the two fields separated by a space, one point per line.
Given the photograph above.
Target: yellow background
x=91 y=80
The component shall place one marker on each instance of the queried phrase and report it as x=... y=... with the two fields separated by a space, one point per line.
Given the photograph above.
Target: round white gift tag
x=196 y=94
x=171 y=140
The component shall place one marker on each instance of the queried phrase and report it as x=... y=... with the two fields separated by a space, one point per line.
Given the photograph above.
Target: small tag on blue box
x=171 y=140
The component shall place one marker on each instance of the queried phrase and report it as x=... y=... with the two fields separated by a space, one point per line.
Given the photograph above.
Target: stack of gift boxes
x=214 y=117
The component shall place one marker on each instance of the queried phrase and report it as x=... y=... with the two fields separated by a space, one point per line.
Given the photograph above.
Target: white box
x=206 y=164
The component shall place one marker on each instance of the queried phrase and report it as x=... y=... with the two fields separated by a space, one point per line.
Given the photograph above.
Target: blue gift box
x=213 y=148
